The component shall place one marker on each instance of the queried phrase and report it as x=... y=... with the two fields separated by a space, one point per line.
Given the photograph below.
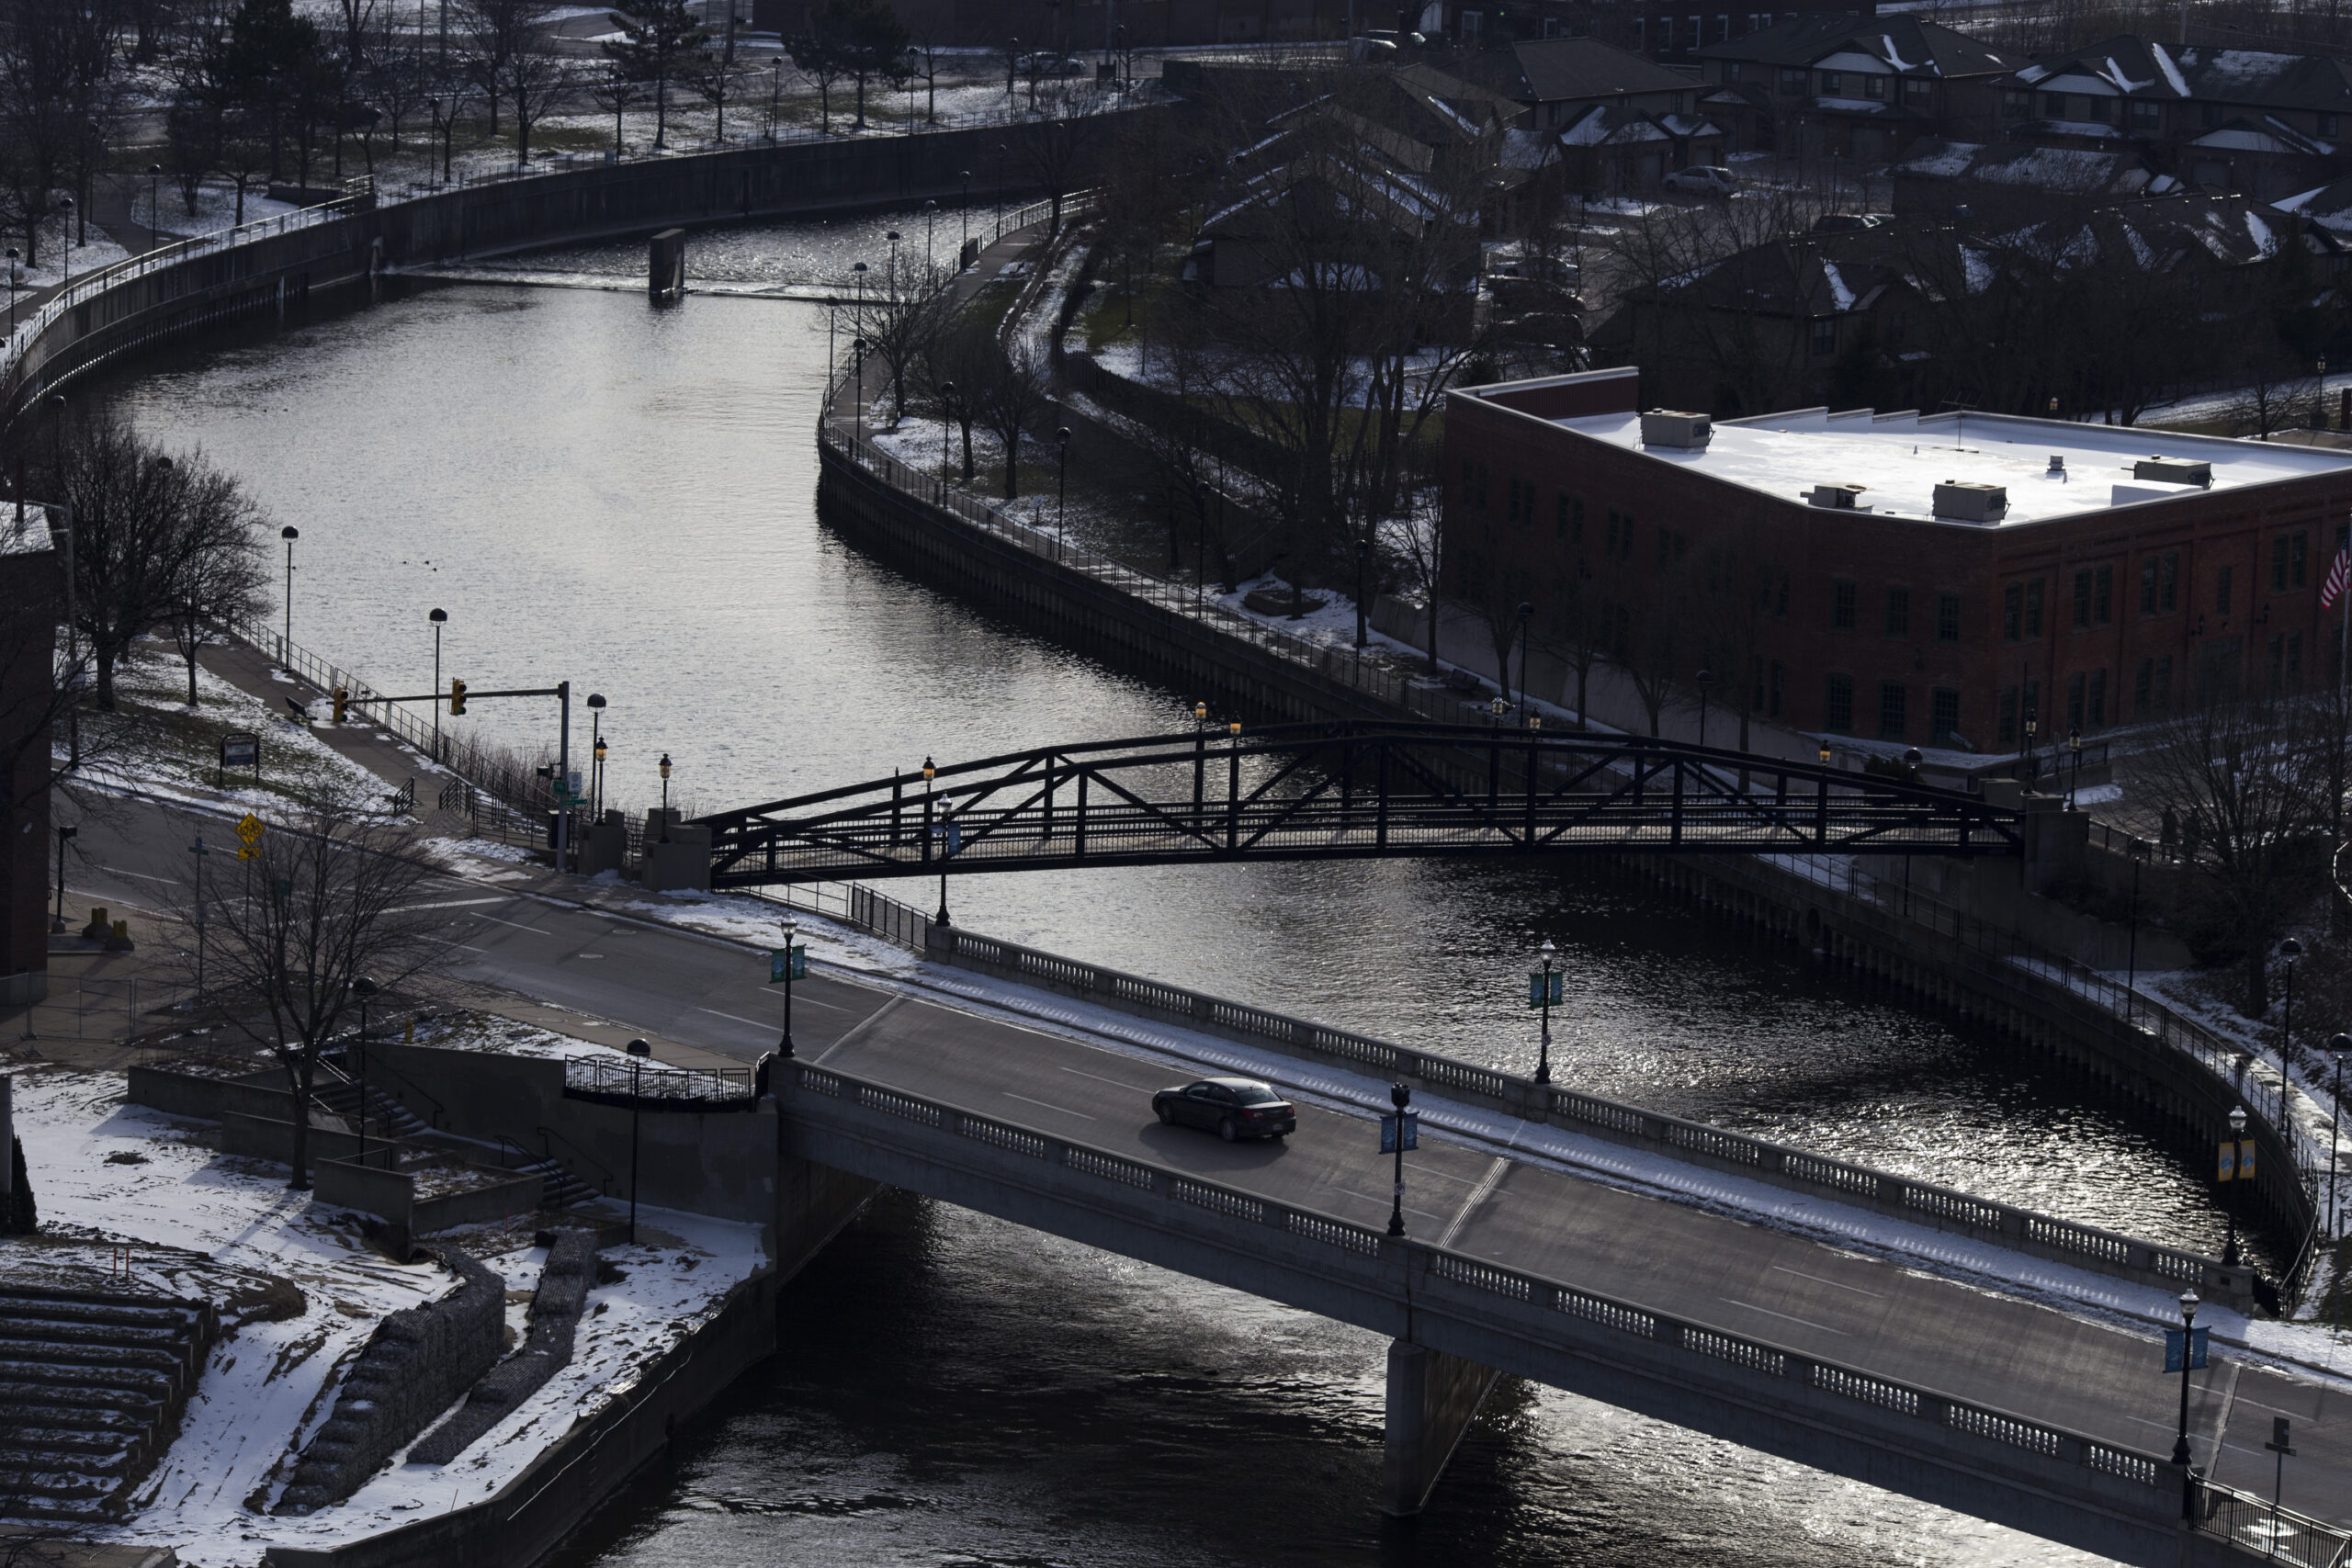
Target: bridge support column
x=812 y=1203
x=1432 y=1397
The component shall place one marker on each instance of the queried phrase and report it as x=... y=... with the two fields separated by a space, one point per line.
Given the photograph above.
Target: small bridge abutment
x=1432 y=1398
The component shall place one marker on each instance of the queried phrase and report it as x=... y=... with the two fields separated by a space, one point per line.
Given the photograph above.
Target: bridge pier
x=1432 y=1397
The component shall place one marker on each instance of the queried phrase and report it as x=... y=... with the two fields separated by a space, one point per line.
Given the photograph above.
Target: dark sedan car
x=1232 y=1108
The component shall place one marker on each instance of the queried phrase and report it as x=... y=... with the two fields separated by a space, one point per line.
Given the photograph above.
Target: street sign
x=1544 y=991
x=2277 y=1443
x=249 y=831
x=1412 y=1120
x=241 y=749
x=798 y=959
x=2236 y=1160
x=955 y=837
x=2195 y=1350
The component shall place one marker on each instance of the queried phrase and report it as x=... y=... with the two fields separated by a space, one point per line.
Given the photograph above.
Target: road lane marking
x=1819 y=1280
x=867 y=1022
x=754 y=1023
x=118 y=871
x=517 y=924
x=451 y=904
x=1065 y=1109
x=1120 y=1083
x=812 y=1002
x=1486 y=1184
x=469 y=947
x=1767 y=1311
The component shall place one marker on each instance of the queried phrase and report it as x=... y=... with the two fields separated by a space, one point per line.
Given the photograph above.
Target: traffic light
x=342 y=701
x=457 y=697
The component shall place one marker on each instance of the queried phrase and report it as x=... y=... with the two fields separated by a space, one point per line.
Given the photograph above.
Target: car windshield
x=1255 y=1094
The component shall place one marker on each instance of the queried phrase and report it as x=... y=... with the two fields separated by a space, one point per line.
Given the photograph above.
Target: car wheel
x=1227 y=1130
x=1166 y=1114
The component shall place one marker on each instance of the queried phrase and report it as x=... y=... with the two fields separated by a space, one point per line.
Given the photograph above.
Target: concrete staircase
x=386 y=1117
x=562 y=1190
x=395 y=1122
x=91 y=1389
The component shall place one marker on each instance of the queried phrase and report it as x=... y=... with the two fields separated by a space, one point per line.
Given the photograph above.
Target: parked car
x=1231 y=1108
x=1058 y=65
x=1703 y=179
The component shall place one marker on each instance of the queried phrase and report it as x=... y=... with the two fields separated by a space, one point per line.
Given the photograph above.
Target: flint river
x=624 y=496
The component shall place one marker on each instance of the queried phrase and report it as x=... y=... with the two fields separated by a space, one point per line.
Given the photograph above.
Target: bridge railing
x=1921 y=1202
x=1434 y=1276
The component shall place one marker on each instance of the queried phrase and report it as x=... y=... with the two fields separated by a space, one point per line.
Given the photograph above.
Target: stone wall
x=564 y=1280
x=419 y=1361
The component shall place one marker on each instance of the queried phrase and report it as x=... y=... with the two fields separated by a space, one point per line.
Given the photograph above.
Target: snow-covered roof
x=1900 y=458
x=30 y=538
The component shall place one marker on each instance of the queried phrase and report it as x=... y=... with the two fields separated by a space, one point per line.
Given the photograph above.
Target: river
x=621 y=495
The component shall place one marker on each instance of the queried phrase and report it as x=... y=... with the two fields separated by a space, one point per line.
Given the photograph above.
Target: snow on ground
x=216 y=208
x=56 y=260
x=265 y=1384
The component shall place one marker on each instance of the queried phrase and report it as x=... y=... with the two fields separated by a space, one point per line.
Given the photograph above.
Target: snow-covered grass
x=56 y=259
x=302 y=1291
x=156 y=745
x=216 y=208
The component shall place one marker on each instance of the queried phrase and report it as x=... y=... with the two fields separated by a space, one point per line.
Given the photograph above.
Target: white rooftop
x=31 y=538
x=1899 y=458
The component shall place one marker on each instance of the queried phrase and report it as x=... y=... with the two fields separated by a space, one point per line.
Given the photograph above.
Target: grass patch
x=153 y=738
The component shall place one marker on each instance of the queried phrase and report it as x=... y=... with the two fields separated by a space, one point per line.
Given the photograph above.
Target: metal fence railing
x=92 y=1007
x=2281 y=1535
x=630 y=1079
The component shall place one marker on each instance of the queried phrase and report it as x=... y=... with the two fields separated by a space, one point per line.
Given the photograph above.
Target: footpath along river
x=624 y=496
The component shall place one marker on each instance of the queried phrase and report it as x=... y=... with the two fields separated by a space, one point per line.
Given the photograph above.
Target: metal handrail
x=547 y=1134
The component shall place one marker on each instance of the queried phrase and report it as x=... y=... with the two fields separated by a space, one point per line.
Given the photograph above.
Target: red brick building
x=1927 y=581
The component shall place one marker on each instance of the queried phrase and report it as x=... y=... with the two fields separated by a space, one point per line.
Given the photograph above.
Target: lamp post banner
x=2236 y=1160
x=1545 y=989
x=1388 y=1133
x=2197 y=1338
x=791 y=963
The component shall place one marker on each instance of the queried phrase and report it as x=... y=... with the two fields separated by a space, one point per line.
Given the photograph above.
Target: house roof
x=2060 y=171
x=1907 y=44
x=1555 y=70
x=2129 y=65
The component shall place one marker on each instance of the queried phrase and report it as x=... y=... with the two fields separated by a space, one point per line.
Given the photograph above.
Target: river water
x=624 y=496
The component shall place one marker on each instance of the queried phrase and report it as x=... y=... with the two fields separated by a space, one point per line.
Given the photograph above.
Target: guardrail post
x=1893 y=1189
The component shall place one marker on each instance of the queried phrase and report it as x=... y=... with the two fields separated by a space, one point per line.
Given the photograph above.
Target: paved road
x=1748 y=1280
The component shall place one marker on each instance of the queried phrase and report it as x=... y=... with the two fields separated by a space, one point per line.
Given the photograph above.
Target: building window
x=2328 y=124
x=2160 y=583
x=2083 y=600
x=2094 y=708
x=2074 y=684
x=2016 y=105
x=1843 y=595
x=1892 y=698
x=2012 y=611
x=1777 y=698
x=2144 y=694
x=2096 y=108
x=1825 y=337
x=1722 y=28
x=2033 y=609
x=1917 y=91
x=2103 y=596
x=2147 y=115
x=1837 y=706
x=2053 y=106
x=1898 y=612
x=1664 y=34
x=2222 y=583
x=1567 y=520
x=1947 y=617
x=1473 y=23
x=2299 y=560
x=2287 y=662
x=1731 y=70
x=2006 y=734
x=1792 y=84
x=1833 y=83
x=1943 y=717
x=1874 y=86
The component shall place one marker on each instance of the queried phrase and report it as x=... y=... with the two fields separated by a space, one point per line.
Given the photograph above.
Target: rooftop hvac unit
x=2174 y=471
x=1838 y=498
x=1664 y=427
x=1968 y=501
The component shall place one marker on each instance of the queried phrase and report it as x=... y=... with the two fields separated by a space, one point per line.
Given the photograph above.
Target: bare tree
x=902 y=316
x=324 y=901
x=1012 y=390
x=218 y=586
x=144 y=526
x=1418 y=531
x=2243 y=775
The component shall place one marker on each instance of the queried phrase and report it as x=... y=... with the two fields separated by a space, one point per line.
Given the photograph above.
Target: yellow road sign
x=249 y=831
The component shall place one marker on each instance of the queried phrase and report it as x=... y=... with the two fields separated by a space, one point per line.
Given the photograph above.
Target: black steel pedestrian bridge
x=1342 y=791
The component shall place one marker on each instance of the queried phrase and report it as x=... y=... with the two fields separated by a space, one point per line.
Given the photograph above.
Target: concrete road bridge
x=1342 y=791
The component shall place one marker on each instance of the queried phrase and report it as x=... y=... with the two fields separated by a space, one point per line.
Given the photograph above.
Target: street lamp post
x=857 y=399
x=66 y=835
x=154 y=201
x=363 y=987
x=791 y=930
x=2187 y=1339
x=65 y=249
x=439 y=618
x=1061 y=499
x=930 y=771
x=596 y=757
x=2237 y=1144
x=637 y=1051
x=1400 y=1097
x=1543 y=993
x=665 y=797
x=286 y=652
x=2075 y=755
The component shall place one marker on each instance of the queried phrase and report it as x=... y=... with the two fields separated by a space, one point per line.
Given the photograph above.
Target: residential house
x=1657 y=30
x=1839 y=87
x=2015 y=181
x=2250 y=122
